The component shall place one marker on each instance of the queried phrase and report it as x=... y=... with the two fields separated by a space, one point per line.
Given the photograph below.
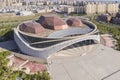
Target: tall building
x=101 y=8
x=92 y=7
x=5 y=3
x=112 y=7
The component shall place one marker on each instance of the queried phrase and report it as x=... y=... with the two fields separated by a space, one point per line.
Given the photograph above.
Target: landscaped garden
x=110 y=29
x=6 y=72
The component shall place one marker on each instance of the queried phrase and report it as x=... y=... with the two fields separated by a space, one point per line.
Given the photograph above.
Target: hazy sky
x=96 y=0
x=77 y=0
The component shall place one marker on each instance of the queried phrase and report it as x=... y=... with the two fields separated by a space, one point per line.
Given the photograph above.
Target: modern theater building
x=49 y=34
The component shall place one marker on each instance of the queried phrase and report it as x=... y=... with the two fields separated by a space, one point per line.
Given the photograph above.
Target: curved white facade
x=54 y=42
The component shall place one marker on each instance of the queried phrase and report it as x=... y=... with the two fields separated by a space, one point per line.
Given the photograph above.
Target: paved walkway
x=93 y=62
x=102 y=63
x=9 y=45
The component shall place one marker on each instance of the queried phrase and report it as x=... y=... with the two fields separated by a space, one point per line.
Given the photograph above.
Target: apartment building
x=5 y=3
x=92 y=7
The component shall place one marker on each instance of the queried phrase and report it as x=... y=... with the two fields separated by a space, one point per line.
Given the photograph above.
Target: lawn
x=10 y=21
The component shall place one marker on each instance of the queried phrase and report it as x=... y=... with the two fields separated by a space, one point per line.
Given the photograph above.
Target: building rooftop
x=49 y=24
x=74 y=22
x=52 y=22
x=32 y=27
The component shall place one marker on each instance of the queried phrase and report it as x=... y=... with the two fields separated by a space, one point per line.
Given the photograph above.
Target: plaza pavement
x=9 y=45
x=98 y=63
x=91 y=62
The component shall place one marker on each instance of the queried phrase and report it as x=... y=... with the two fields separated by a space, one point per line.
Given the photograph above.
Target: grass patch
x=109 y=29
x=6 y=72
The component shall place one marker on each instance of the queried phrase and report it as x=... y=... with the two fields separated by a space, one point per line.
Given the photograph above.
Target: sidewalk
x=9 y=45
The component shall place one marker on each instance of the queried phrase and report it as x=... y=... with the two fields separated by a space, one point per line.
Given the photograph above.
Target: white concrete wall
x=45 y=53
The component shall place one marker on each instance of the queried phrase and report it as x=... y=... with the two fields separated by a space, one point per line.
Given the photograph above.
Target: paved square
x=103 y=63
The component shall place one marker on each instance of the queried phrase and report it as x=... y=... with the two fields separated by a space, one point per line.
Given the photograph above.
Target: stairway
x=75 y=50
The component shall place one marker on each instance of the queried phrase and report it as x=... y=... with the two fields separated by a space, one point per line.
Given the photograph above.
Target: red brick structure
x=52 y=22
x=74 y=22
x=31 y=27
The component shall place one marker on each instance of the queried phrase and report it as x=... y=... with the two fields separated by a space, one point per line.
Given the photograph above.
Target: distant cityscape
x=62 y=6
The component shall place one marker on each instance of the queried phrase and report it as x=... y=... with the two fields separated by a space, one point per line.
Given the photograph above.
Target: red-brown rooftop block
x=31 y=27
x=52 y=22
x=74 y=22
